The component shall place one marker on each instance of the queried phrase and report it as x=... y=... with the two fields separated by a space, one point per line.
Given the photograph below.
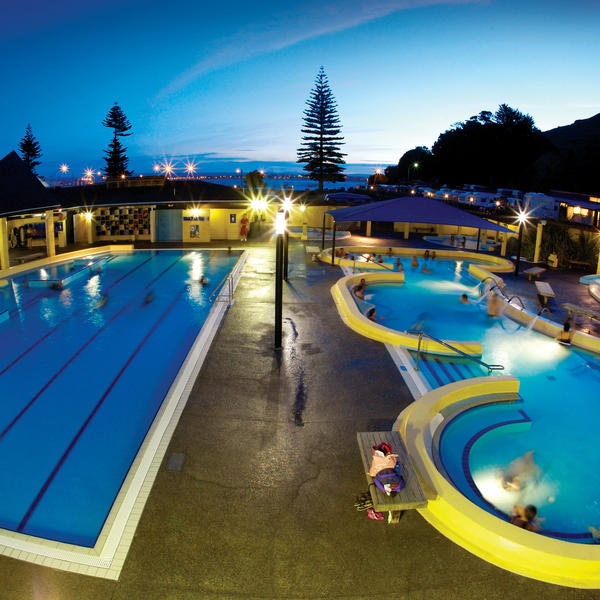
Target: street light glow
x=286 y=204
x=279 y=223
x=190 y=167
x=64 y=168
x=156 y=168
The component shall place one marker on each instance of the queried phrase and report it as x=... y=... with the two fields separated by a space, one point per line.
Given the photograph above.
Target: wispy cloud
x=306 y=20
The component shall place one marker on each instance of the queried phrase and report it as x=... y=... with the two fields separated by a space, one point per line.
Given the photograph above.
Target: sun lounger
x=574 y=308
x=534 y=272
x=545 y=291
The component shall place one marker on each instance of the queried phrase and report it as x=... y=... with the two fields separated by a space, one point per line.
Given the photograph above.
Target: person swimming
x=521 y=472
x=371 y=314
x=204 y=280
x=101 y=302
x=414 y=263
x=399 y=265
x=148 y=298
x=525 y=517
x=425 y=269
x=464 y=299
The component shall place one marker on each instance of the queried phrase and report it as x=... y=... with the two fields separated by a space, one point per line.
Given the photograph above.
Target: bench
x=545 y=291
x=578 y=263
x=28 y=257
x=534 y=272
x=411 y=495
x=574 y=308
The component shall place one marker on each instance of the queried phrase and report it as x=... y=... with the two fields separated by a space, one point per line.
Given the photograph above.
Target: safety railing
x=423 y=334
x=227 y=280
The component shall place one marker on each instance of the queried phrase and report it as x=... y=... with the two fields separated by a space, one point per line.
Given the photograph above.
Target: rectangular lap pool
x=83 y=372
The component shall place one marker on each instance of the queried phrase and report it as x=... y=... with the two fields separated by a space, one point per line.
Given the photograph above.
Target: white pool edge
x=107 y=557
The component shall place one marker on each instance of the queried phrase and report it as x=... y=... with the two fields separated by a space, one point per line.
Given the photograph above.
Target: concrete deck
x=263 y=507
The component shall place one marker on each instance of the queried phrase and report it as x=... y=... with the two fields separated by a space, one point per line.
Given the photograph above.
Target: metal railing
x=228 y=279
x=423 y=334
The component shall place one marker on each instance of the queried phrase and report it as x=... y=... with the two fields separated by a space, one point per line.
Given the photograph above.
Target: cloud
x=306 y=20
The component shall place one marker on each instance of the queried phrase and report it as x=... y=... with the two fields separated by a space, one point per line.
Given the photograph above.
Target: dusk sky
x=228 y=81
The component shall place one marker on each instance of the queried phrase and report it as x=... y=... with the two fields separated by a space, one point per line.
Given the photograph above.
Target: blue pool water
x=558 y=418
x=82 y=382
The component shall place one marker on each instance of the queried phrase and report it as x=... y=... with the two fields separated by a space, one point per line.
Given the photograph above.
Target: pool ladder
x=227 y=280
x=422 y=334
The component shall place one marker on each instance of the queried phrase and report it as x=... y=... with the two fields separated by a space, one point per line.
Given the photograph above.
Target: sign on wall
x=233 y=218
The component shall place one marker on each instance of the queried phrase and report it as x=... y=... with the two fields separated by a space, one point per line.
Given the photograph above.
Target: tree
x=420 y=156
x=255 y=180
x=495 y=149
x=30 y=150
x=320 y=147
x=115 y=157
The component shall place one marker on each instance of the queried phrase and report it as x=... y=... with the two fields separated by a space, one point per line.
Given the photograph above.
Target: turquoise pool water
x=557 y=419
x=83 y=372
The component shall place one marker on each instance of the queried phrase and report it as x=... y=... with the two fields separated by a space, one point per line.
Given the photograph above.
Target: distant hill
x=573 y=165
x=582 y=132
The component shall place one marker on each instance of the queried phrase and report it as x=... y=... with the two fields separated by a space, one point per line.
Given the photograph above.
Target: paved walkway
x=263 y=506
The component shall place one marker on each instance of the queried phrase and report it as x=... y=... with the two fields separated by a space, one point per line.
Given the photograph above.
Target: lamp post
x=413 y=166
x=286 y=205
x=241 y=174
x=279 y=231
x=522 y=218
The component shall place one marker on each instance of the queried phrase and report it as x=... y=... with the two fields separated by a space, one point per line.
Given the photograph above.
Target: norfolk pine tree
x=320 y=147
x=30 y=150
x=115 y=157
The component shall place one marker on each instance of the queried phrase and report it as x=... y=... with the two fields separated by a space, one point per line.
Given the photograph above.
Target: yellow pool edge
x=353 y=318
x=481 y=533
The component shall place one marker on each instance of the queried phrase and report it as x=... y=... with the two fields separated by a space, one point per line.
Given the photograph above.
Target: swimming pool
x=84 y=371
x=557 y=418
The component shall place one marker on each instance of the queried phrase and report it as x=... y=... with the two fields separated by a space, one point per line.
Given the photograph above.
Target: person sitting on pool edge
x=464 y=299
x=525 y=517
x=371 y=314
x=566 y=335
x=389 y=252
x=359 y=289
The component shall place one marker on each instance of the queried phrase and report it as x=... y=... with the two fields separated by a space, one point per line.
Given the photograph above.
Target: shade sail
x=411 y=209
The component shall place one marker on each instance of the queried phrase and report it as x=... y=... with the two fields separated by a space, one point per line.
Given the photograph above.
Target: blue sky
x=228 y=81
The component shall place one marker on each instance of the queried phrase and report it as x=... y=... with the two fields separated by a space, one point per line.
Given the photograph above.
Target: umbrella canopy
x=410 y=209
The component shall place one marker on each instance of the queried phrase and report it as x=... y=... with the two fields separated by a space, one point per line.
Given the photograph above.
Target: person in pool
x=433 y=256
x=566 y=335
x=389 y=252
x=464 y=299
x=399 y=265
x=521 y=472
x=371 y=314
x=414 y=263
x=525 y=517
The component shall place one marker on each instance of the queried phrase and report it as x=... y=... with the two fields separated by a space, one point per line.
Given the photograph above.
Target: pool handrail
x=423 y=334
x=221 y=284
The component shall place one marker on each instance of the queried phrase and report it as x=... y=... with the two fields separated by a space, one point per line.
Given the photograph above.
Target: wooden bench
x=411 y=495
x=534 y=272
x=578 y=263
x=574 y=308
x=545 y=291
x=28 y=257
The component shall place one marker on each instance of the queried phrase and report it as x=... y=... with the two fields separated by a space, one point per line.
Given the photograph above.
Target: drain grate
x=175 y=462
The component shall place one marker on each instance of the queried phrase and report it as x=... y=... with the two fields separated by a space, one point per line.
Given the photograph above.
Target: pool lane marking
x=95 y=410
x=432 y=371
x=64 y=322
x=79 y=351
x=444 y=370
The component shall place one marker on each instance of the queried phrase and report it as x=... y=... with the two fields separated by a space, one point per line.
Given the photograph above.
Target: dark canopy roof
x=20 y=190
x=410 y=209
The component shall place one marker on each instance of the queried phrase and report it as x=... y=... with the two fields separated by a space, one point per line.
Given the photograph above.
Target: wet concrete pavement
x=263 y=507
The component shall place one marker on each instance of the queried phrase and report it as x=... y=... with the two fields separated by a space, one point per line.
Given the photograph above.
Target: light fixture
x=88 y=216
x=302 y=207
x=286 y=204
x=280 y=223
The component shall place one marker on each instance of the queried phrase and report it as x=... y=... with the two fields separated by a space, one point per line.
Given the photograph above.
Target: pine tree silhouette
x=320 y=147
x=30 y=150
x=115 y=157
